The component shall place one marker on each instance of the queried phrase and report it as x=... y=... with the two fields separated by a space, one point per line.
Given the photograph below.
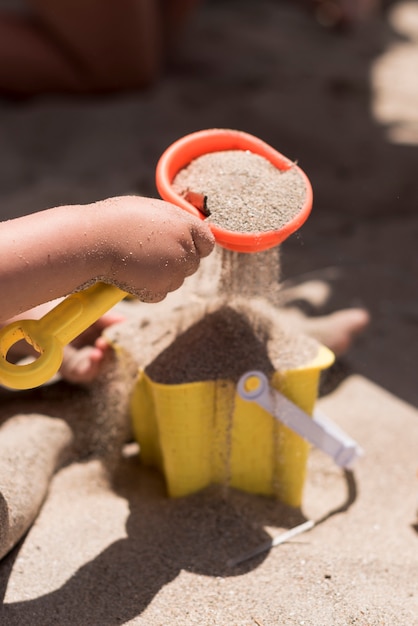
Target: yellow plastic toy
x=204 y=432
x=51 y=333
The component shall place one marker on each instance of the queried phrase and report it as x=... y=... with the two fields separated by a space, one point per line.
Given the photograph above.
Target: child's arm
x=144 y=246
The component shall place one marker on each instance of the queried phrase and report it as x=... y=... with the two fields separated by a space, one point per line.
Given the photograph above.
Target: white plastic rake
x=318 y=430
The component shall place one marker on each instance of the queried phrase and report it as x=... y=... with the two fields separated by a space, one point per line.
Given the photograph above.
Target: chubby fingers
x=203 y=238
x=198 y=244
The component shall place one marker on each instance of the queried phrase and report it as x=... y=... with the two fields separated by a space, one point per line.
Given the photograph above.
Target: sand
x=229 y=341
x=243 y=192
x=108 y=547
x=250 y=275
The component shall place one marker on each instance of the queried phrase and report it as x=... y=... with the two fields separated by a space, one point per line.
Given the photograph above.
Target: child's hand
x=152 y=246
x=144 y=246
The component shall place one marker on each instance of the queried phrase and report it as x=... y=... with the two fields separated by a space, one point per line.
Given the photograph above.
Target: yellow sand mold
x=202 y=433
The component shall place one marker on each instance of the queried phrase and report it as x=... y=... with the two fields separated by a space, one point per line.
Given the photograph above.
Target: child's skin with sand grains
x=144 y=246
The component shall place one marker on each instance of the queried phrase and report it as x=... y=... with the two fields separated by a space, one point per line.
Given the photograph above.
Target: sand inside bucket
x=227 y=342
x=244 y=192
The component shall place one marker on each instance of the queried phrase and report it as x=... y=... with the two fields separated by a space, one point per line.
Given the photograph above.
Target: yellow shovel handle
x=51 y=333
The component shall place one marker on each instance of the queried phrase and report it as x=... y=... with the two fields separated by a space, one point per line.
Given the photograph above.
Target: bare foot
x=314 y=292
x=336 y=331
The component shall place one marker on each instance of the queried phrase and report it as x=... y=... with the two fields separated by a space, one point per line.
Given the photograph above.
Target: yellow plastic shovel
x=51 y=333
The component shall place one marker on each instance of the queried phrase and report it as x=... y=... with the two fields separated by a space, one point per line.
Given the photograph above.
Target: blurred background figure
x=86 y=46
x=99 y=46
x=342 y=13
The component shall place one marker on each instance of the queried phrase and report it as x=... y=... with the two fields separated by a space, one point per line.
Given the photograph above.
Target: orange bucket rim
x=189 y=147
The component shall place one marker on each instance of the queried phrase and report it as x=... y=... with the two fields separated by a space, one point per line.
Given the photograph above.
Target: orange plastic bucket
x=180 y=154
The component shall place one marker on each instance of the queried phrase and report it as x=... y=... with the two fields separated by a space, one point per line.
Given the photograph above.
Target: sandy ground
x=346 y=107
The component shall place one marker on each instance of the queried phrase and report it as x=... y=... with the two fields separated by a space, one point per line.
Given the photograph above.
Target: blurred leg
x=30 y=62
x=81 y=46
x=32 y=448
x=115 y=45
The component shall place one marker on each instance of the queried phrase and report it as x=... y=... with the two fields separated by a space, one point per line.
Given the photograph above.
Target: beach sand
x=108 y=547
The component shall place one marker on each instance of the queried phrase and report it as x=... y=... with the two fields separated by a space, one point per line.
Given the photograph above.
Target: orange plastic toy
x=190 y=147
